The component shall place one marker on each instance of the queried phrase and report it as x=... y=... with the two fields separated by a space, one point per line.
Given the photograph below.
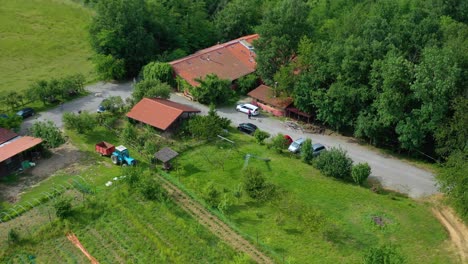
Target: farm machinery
x=119 y=155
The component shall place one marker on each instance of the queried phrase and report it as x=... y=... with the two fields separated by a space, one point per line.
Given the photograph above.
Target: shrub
x=256 y=187
x=109 y=68
x=279 y=143
x=13 y=236
x=213 y=90
x=152 y=190
x=386 y=254
x=11 y=122
x=49 y=132
x=211 y=195
x=306 y=151
x=247 y=83
x=129 y=134
x=151 y=88
x=260 y=136
x=160 y=71
x=82 y=123
x=113 y=104
x=209 y=126
x=63 y=208
x=360 y=172
x=335 y=163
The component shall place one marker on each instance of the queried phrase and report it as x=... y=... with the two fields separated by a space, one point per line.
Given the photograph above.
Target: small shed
x=165 y=155
x=264 y=97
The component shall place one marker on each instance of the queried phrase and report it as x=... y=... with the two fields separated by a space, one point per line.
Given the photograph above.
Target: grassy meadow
x=42 y=39
x=346 y=211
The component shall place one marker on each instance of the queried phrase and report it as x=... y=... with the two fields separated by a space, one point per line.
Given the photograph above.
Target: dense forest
x=393 y=73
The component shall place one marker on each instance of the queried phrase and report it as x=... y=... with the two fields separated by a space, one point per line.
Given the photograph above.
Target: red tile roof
x=16 y=146
x=230 y=60
x=159 y=113
x=265 y=94
x=6 y=134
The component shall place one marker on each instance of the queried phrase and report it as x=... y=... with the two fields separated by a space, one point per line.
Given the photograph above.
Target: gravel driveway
x=392 y=173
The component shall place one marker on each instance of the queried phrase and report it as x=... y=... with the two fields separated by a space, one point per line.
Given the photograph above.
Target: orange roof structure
x=265 y=94
x=159 y=113
x=6 y=134
x=230 y=60
x=16 y=146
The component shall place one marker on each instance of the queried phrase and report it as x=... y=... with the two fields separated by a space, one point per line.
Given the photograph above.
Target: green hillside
x=42 y=39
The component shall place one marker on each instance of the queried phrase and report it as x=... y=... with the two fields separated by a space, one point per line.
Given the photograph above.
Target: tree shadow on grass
x=247 y=220
x=191 y=169
x=293 y=231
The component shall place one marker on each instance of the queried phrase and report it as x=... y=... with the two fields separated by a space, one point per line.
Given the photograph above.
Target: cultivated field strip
x=216 y=226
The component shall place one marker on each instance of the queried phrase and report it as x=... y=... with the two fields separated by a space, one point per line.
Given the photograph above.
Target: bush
x=152 y=190
x=160 y=71
x=386 y=254
x=247 y=83
x=82 y=123
x=12 y=122
x=151 y=88
x=213 y=90
x=113 y=104
x=335 y=163
x=306 y=151
x=109 y=68
x=211 y=195
x=13 y=236
x=260 y=136
x=279 y=143
x=256 y=187
x=63 y=208
x=49 y=132
x=360 y=172
x=209 y=126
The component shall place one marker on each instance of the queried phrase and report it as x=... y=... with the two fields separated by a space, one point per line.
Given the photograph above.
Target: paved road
x=392 y=173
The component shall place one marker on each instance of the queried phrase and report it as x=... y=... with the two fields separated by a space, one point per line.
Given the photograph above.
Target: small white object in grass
x=109 y=183
x=115 y=178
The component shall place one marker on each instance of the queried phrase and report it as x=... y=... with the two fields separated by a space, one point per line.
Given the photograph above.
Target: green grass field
x=348 y=209
x=42 y=39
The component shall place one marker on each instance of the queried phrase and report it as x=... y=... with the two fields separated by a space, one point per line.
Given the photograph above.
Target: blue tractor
x=121 y=157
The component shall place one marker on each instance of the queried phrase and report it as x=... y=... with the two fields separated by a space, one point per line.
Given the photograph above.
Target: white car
x=246 y=107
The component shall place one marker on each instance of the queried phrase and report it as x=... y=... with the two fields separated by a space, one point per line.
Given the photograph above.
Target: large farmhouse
x=230 y=60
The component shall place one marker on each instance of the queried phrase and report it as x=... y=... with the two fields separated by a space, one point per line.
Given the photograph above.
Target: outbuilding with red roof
x=264 y=97
x=15 y=150
x=160 y=113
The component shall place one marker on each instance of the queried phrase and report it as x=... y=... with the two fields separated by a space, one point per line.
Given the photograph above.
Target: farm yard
x=311 y=218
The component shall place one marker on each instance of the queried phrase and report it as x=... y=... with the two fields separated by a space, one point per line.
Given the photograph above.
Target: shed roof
x=230 y=60
x=165 y=154
x=159 y=113
x=6 y=134
x=16 y=146
x=265 y=93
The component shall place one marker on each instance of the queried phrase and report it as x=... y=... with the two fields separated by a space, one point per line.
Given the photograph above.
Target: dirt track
x=457 y=230
x=72 y=237
x=215 y=225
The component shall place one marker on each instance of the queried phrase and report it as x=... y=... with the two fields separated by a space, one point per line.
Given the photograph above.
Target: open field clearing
x=349 y=215
x=42 y=39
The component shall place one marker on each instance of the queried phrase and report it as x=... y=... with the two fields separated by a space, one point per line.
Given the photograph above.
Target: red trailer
x=104 y=148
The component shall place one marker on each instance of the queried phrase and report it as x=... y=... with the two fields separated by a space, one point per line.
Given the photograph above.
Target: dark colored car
x=26 y=112
x=317 y=149
x=101 y=107
x=248 y=128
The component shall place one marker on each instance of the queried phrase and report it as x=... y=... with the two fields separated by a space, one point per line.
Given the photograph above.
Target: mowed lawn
x=42 y=39
x=348 y=230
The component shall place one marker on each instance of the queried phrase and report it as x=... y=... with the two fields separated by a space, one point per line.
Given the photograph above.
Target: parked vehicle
x=245 y=108
x=248 y=128
x=318 y=148
x=295 y=147
x=105 y=148
x=26 y=112
x=121 y=156
x=101 y=107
